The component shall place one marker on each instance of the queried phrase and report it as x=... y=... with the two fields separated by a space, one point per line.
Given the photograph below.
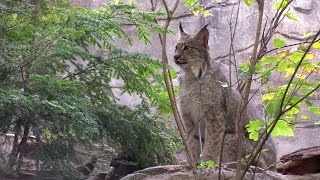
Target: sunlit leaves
x=291 y=16
x=283 y=54
x=275 y=100
x=248 y=2
x=268 y=96
x=309 y=56
x=314 y=110
x=253 y=128
x=279 y=42
x=283 y=65
x=304 y=117
x=308 y=34
x=280 y=4
x=289 y=72
x=197 y=8
x=244 y=67
x=207 y=164
x=282 y=128
x=316 y=45
x=296 y=56
x=189 y=3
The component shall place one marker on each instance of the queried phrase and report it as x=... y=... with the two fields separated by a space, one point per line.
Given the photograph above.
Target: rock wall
x=307 y=134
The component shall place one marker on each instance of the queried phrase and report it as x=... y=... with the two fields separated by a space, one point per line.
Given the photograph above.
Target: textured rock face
x=304 y=161
x=177 y=172
x=307 y=11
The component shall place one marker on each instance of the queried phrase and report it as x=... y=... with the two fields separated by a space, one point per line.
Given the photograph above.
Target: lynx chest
x=197 y=96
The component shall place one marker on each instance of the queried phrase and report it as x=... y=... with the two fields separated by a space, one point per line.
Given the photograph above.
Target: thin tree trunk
x=22 y=145
x=13 y=154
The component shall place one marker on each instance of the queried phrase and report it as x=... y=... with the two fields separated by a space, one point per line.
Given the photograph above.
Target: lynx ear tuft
x=182 y=33
x=203 y=36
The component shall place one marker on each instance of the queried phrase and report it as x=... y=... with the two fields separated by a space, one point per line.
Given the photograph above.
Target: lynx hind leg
x=193 y=139
x=229 y=148
x=214 y=131
x=267 y=158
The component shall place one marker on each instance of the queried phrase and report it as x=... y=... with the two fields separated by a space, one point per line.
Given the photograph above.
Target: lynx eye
x=187 y=48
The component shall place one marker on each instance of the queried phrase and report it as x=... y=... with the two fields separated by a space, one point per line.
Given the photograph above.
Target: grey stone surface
x=304 y=6
x=177 y=172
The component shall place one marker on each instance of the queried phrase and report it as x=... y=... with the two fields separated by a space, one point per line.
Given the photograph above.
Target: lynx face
x=192 y=52
x=186 y=54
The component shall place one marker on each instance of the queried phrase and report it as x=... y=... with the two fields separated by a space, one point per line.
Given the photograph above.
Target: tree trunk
x=22 y=145
x=13 y=154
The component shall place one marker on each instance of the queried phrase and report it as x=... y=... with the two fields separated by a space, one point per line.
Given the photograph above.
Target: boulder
x=303 y=161
x=120 y=167
x=183 y=172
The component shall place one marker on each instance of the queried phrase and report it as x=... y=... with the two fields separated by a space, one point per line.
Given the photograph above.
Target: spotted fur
x=204 y=102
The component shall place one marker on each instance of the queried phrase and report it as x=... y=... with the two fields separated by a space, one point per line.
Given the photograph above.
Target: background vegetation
x=56 y=64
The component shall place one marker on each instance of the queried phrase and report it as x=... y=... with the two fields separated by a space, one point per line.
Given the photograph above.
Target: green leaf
x=316 y=45
x=314 y=110
x=202 y=165
x=271 y=108
x=308 y=103
x=244 y=67
x=304 y=117
x=200 y=9
x=293 y=111
x=282 y=129
x=268 y=97
x=269 y=60
x=308 y=34
x=296 y=57
x=248 y=2
x=283 y=65
x=173 y=73
x=280 y=4
x=291 y=16
x=190 y=3
x=279 y=42
x=253 y=128
x=211 y=164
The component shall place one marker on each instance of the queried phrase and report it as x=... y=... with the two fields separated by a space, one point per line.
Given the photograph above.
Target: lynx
x=205 y=101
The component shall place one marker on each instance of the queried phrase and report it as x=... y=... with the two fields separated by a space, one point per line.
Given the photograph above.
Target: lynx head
x=192 y=51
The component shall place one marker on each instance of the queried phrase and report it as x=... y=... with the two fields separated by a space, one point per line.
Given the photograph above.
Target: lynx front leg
x=214 y=131
x=192 y=135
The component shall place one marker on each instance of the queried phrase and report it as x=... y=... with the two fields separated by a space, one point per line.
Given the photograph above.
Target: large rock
x=303 y=161
x=177 y=172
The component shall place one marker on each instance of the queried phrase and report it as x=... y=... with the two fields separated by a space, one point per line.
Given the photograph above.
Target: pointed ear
x=182 y=33
x=203 y=36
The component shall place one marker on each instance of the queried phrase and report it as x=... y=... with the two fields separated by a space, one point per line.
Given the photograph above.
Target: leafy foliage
x=207 y=164
x=285 y=63
x=283 y=103
x=141 y=132
x=56 y=66
x=248 y=2
x=197 y=8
